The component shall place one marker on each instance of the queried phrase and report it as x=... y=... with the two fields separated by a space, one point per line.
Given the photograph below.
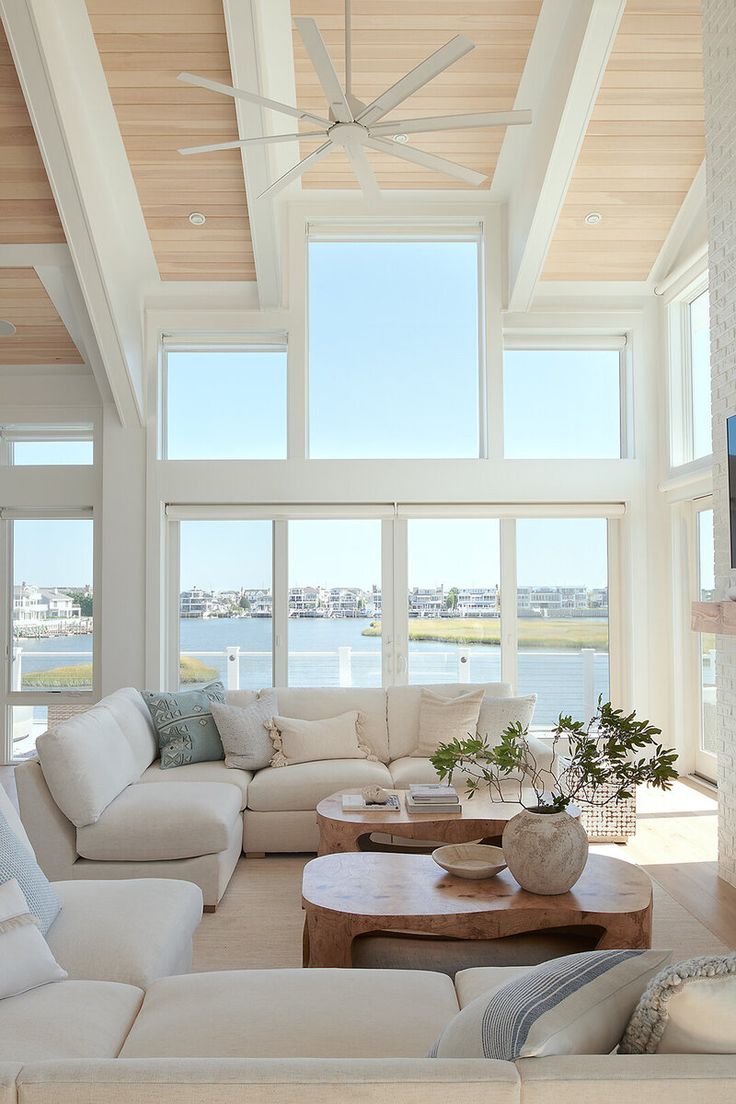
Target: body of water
x=558 y=677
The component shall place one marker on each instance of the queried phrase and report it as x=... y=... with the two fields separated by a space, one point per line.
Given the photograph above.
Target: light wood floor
x=676 y=842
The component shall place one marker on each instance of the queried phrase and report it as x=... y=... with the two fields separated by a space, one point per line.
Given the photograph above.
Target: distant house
x=33 y=604
x=197 y=602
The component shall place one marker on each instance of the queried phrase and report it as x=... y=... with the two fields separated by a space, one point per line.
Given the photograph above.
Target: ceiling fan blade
x=363 y=171
x=250 y=97
x=428 y=160
x=453 y=122
x=264 y=139
x=297 y=170
x=325 y=70
x=426 y=71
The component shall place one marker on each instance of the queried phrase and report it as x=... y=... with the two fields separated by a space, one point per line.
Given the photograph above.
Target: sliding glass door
x=392 y=598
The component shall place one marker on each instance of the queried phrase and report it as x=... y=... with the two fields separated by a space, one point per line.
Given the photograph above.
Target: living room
x=365 y=381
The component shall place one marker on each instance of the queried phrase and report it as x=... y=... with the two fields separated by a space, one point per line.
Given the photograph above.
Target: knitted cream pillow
x=299 y=741
x=689 y=1008
x=444 y=719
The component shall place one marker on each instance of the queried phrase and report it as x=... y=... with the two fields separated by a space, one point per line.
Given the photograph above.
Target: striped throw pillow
x=579 y=1004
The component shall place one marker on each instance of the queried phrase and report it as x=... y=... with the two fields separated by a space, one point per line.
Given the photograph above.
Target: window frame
x=680 y=378
x=8 y=696
x=13 y=433
x=394 y=571
x=246 y=342
x=473 y=230
x=621 y=343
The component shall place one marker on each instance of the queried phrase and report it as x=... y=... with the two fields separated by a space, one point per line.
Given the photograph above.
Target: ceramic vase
x=545 y=852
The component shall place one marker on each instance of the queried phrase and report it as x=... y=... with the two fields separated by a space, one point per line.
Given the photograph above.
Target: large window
x=52 y=605
x=224 y=403
x=335 y=603
x=454 y=600
x=699 y=359
x=562 y=612
x=394 y=598
x=225 y=603
x=562 y=404
x=394 y=349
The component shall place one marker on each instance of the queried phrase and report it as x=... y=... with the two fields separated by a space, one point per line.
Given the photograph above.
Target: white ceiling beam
x=688 y=236
x=61 y=75
x=566 y=63
x=260 y=29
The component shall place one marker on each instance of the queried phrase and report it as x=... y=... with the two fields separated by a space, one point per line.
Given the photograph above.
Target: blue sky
x=228 y=554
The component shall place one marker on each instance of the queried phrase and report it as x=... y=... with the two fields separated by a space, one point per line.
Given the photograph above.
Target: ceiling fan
x=354 y=126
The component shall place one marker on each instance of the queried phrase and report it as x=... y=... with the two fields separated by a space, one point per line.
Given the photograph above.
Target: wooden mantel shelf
x=714 y=617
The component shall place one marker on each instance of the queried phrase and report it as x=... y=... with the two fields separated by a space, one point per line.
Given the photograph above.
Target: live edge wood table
x=347 y=895
x=479 y=818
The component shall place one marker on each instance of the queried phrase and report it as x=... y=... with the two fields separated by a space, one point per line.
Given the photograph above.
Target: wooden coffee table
x=347 y=895
x=340 y=831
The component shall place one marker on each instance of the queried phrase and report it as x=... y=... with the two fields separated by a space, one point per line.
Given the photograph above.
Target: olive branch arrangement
x=612 y=749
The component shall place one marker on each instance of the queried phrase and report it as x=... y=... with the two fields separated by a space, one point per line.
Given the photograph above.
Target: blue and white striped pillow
x=16 y=861
x=579 y=1004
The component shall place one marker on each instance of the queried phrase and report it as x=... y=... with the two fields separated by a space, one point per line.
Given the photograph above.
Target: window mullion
x=509 y=617
x=280 y=603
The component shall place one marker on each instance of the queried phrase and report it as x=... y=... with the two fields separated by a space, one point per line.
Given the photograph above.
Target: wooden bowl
x=470 y=860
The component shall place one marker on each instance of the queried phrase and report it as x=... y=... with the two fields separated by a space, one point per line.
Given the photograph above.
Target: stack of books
x=433 y=798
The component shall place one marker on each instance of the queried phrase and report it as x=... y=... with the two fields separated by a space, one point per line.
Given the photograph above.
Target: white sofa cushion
x=70 y=1019
x=133 y=930
x=87 y=761
x=415 y=768
x=403 y=710
x=303 y=785
x=25 y=958
x=298 y=741
x=216 y=771
x=293 y=1014
x=132 y=714
x=314 y=703
x=163 y=822
x=496 y=714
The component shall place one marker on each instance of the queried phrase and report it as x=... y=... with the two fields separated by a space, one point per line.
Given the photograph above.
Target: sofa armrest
x=280 y=1081
x=53 y=837
x=675 y=1078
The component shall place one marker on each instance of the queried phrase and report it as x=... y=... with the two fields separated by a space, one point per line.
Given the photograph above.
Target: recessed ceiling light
x=593 y=218
x=7 y=329
x=401 y=138
x=197 y=218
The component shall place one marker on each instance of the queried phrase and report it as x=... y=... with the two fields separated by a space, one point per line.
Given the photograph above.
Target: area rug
x=259 y=922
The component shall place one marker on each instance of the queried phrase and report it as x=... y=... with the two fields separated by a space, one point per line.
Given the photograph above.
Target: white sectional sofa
x=130 y=932
x=309 y=1035
x=96 y=803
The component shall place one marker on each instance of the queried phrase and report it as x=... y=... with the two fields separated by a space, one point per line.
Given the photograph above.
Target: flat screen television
x=731 y=438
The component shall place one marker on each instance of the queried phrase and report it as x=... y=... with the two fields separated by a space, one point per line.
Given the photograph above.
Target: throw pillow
x=445 y=719
x=242 y=731
x=298 y=741
x=496 y=714
x=26 y=960
x=19 y=864
x=186 y=729
x=689 y=1008
x=579 y=1004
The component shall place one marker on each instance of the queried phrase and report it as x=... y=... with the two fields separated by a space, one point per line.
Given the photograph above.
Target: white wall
x=720 y=118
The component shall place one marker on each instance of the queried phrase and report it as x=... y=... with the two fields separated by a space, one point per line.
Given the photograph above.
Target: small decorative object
x=545 y=847
x=375 y=795
x=470 y=860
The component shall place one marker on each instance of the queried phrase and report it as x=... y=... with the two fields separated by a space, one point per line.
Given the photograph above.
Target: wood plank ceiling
x=41 y=337
x=28 y=214
x=143 y=45
x=390 y=37
x=643 y=147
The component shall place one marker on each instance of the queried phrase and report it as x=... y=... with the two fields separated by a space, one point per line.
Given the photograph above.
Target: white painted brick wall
x=719 y=29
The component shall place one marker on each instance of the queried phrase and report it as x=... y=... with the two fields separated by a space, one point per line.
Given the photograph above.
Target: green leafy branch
x=613 y=749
